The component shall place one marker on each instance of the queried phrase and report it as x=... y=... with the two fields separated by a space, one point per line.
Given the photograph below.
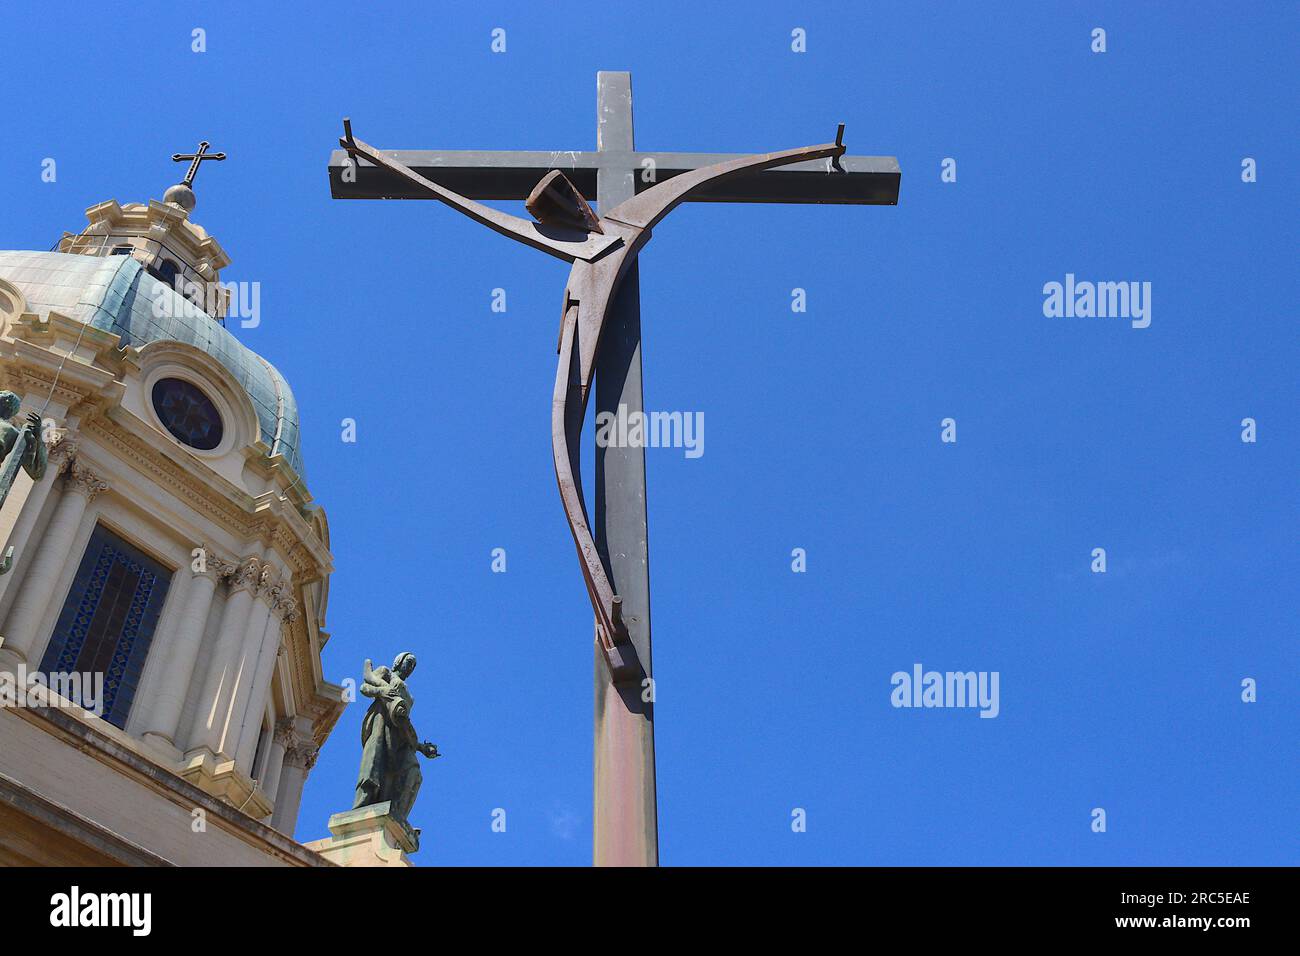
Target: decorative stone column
x=284 y=610
x=181 y=651
x=298 y=761
x=214 y=699
x=245 y=664
x=21 y=632
x=281 y=741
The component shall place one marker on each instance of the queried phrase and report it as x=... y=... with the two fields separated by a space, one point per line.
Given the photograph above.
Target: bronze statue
x=27 y=448
x=389 y=768
x=32 y=454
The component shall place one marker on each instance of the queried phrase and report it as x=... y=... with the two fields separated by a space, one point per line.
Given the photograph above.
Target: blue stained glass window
x=187 y=413
x=108 y=620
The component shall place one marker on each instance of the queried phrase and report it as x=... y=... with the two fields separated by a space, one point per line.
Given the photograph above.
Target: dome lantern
x=162 y=238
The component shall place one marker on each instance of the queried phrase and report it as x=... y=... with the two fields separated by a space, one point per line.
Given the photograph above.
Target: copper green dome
x=116 y=294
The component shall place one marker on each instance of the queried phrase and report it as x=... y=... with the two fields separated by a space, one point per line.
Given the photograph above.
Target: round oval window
x=187 y=413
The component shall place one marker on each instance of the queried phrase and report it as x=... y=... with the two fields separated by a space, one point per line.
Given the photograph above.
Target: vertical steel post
x=625 y=824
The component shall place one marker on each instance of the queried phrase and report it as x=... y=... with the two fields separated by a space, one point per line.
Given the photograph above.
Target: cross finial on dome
x=182 y=194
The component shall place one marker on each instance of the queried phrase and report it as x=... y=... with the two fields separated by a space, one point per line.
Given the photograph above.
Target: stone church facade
x=171 y=547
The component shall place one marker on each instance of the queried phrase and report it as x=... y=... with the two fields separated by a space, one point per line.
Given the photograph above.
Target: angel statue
x=389 y=769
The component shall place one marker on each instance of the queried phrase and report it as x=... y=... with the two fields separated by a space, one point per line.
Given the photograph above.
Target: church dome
x=117 y=294
x=158 y=538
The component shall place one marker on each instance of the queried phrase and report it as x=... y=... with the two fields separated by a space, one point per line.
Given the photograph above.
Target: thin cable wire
x=59 y=371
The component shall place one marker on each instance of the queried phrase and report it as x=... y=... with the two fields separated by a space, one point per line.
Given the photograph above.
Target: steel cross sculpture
x=600 y=342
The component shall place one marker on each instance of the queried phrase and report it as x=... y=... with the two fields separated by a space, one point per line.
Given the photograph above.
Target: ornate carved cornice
x=274 y=526
x=159 y=221
x=36 y=379
x=167 y=473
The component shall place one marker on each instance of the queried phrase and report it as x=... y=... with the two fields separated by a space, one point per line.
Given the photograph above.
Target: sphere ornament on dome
x=180 y=195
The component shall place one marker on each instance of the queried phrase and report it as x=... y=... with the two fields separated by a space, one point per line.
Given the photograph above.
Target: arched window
x=166 y=272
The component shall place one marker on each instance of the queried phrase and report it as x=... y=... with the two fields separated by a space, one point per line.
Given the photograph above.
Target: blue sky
x=1118 y=690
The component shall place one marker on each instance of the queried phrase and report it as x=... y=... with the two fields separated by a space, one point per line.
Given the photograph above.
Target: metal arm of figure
x=572 y=242
x=380 y=685
x=373 y=684
x=645 y=209
x=562 y=241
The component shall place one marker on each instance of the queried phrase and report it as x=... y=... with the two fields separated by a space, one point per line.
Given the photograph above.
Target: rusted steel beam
x=491 y=174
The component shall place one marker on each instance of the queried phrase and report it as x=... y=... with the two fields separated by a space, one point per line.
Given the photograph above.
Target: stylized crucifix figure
x=600 y=341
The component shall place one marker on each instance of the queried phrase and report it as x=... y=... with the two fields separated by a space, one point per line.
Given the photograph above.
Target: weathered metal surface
x=600 y=341
x=625 y=799
x=555 y=199
x=513 y=174
x=647 y=208
x=389 y=773
x=563 y=242
x=593 y=285
x=505 y=174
